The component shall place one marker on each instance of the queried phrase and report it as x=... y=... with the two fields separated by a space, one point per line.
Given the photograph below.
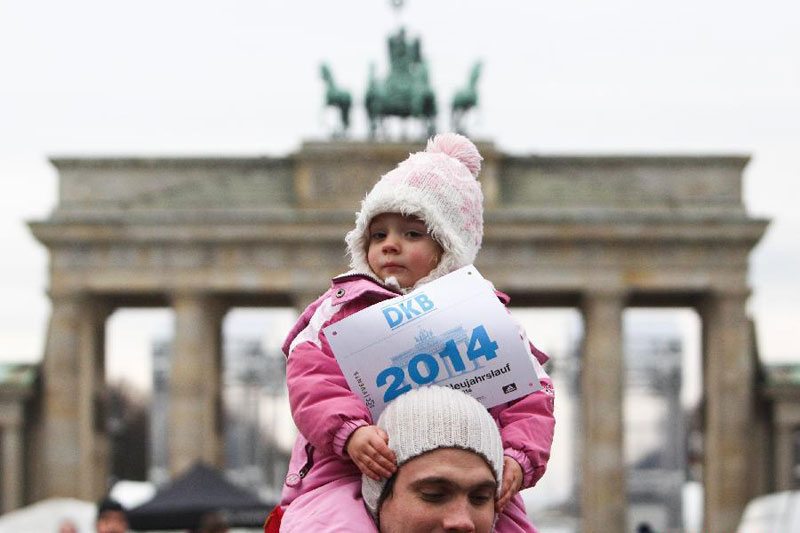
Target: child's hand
x=369 y=450
x=512 y=481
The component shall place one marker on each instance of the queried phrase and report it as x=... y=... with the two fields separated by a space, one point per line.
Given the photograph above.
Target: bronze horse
x=336 y=97
x=465 y=99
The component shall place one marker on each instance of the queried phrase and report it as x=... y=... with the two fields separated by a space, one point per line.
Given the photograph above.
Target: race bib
x=452 y=332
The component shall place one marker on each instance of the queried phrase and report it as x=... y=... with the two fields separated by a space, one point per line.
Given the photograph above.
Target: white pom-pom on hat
x=440 y=187
x=458 y=147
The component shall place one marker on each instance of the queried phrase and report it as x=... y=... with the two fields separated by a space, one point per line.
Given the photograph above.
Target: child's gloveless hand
x=368 y=448
x=512 y=481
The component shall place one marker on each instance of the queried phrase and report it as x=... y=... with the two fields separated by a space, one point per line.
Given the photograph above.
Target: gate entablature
x=139 y=224
x=336 y=175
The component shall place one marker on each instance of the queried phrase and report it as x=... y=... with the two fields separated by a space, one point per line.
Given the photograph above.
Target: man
x=111 y=517
x=450 y=459
x=450 y=464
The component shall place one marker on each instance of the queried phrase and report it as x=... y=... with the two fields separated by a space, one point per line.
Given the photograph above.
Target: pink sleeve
x=524 y=462
x=323 y=407
x=526 y=427
x=347 y=429
x=527 y=424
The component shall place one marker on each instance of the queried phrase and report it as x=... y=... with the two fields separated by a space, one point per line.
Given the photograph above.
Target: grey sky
x=241 y=77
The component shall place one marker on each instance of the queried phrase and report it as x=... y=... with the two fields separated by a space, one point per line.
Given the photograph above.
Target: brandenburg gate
x=203 y=235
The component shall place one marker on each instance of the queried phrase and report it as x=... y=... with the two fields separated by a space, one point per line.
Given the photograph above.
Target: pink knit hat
x=440 y=187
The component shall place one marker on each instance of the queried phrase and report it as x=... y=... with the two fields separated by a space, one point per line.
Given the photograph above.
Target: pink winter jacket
x=326 y=412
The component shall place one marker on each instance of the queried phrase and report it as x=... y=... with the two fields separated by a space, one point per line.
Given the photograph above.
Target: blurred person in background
x=111 y=517
x=67 y=526
x=212 y=522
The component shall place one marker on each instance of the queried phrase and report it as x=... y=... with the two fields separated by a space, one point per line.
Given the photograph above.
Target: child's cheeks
x=401 y=247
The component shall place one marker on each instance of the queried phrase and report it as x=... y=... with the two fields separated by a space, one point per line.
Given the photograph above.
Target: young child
x=422 y=220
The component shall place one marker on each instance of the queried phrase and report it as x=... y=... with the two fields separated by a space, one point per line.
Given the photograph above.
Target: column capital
x=605 y=297
x=729 y=292
x=97 y=305
x=612 y=292
x=211 y=302
x=192 y=294
x=67 y=296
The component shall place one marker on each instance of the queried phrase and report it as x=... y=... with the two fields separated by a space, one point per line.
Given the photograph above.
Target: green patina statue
x=465 y=99
x=405 y=92
x=337 y=97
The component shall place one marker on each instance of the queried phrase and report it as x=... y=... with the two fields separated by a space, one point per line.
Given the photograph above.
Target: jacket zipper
x=309 y=461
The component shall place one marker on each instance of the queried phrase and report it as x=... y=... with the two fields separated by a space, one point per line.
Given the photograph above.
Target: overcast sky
x=84 y=78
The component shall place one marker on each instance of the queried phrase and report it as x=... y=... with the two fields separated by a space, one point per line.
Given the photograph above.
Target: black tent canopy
x=202 y=489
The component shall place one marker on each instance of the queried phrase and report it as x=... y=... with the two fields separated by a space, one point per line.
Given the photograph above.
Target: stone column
x=729 y=394
x=93 y=441
x=195 y=423
x=787 y=423
x=603 y=497
x=784 y=455
x=12 y=457
x=72 y=373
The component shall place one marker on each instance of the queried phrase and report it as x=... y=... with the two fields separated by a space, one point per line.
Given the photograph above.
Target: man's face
x=112 y=522
x=446 y=490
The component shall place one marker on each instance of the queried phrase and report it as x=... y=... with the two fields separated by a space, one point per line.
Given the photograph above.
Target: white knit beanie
x=440 y=187
x=429 y=418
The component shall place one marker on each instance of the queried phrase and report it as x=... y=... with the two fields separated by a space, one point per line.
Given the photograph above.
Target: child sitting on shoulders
x=422 y=220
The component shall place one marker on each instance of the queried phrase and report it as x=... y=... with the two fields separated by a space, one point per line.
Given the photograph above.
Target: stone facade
x=203 y=235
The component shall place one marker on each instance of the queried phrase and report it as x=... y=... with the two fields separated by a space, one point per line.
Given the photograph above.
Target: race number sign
x=452 y=332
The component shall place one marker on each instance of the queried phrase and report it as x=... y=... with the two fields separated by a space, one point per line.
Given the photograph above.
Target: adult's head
x=212 y=522
x=111 y=517
x=450 y=459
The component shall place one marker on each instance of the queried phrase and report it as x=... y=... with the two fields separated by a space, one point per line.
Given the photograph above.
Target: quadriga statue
x=406 y=91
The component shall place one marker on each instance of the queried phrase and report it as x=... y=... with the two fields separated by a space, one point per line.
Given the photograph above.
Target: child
x=422 y=220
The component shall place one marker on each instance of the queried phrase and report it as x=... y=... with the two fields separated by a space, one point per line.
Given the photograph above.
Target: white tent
x=132 y=494
x=47 y=515
x=778 y=512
